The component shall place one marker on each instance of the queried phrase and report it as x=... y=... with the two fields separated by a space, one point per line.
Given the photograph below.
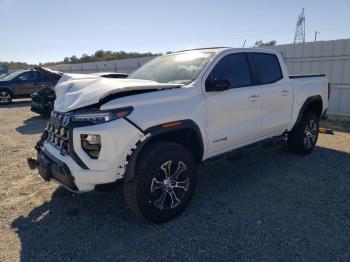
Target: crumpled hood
x=74 y=91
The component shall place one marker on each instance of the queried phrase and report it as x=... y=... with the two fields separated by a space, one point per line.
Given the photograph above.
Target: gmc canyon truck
x=153 y=129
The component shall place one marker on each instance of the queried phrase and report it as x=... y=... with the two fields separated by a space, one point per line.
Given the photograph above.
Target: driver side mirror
x=217 y=85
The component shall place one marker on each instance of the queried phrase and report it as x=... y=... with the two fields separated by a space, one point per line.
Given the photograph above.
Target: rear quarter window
x=267 y=67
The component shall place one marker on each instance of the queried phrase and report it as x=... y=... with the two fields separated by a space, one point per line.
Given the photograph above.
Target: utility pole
x=299 y=36
x=316 y=32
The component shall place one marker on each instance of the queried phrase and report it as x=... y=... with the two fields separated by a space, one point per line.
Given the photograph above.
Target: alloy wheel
x=4 y=97
x=310 y=133
x=169 y=186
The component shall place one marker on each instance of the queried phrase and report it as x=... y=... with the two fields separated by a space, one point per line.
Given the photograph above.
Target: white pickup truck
x=154 y=128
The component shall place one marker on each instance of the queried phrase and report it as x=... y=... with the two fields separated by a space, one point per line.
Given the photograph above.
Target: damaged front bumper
x=119 y=139
x=51 y=168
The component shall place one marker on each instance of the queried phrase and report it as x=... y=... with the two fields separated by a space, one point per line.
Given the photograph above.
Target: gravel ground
x=263 y=207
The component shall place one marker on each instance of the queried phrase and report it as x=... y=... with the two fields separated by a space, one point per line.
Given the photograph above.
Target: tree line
x=99 y=55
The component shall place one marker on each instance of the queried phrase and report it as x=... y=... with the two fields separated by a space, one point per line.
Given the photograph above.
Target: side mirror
x=217 y=85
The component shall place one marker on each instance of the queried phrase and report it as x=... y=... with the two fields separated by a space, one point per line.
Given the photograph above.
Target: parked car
x=23 y=83
x=43 y=100
x=152 y=130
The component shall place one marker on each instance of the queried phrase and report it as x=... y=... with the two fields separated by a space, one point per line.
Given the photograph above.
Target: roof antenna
x=244 y=42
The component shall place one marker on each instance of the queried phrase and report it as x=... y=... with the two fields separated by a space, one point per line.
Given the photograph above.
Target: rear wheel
x=5 y=97
x=302 y=139
x=164 y=182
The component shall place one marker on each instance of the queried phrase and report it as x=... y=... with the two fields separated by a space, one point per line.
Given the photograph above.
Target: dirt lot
x=263 y=207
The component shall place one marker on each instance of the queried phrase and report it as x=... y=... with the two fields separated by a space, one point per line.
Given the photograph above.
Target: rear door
x=277 y=93
x=233 y=115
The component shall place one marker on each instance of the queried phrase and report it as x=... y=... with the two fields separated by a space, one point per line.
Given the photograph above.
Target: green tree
x=73 y=59
x=260 y=43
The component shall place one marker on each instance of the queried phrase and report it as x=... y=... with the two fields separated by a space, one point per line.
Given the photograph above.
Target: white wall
x=123 y=66
x=324 y=57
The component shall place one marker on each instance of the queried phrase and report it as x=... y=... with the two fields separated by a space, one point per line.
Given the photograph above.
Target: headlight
x=96 y=116
x=91 y=145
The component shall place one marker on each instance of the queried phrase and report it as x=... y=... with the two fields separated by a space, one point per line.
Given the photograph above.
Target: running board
x=266 y=145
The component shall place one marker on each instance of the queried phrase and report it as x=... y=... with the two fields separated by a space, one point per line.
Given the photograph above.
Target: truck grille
x=58 y=131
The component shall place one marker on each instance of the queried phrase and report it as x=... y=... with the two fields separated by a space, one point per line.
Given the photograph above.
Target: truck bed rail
x=303 y=76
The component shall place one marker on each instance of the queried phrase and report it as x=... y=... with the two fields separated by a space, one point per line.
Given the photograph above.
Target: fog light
x=91 y=145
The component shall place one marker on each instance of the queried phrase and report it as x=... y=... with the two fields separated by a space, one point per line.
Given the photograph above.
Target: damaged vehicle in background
x=43 y=100
x=152 y=130
x=23 y=83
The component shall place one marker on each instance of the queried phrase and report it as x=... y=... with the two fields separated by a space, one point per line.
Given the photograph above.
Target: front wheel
x=164 y=182
x=5 y=97
x=302 y=139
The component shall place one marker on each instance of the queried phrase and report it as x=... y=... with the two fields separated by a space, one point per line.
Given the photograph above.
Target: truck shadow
x=33 y=125
x=241 y=209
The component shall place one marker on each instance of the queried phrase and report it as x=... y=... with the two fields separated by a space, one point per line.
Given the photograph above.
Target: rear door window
x=267 y=67
x=43 y=77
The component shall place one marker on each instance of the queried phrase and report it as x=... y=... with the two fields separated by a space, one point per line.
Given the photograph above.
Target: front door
x=234 y=118
x=26 y=83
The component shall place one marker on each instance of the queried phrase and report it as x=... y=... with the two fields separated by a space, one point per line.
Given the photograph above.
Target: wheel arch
x=184 y=132
x=314 y=104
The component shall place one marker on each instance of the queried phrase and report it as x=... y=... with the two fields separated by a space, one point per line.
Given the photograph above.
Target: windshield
x=180 y=68
x=12 y=76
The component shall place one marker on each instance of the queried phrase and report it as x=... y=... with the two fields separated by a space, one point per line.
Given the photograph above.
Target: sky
x=48 y=30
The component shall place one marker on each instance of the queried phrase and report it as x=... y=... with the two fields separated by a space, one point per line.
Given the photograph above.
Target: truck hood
x=75 y=91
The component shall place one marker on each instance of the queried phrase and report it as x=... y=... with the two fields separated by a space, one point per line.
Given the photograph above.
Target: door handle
x=285 y=92
x=253 y=98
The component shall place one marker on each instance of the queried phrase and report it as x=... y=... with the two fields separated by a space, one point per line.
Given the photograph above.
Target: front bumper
x=118 y=138
x=50 y=168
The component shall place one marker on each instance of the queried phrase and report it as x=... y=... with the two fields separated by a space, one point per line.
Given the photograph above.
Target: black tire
x=302 y=139
x=151 y=195
x=5 y=97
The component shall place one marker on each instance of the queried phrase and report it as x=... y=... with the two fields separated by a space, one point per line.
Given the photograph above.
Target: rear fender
x=306 y=106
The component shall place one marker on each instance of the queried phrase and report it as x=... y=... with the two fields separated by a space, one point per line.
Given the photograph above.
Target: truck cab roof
x=221 y=49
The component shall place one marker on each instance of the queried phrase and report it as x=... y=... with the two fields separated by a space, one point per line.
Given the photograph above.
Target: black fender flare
x=154 y=131
x=308 y=101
